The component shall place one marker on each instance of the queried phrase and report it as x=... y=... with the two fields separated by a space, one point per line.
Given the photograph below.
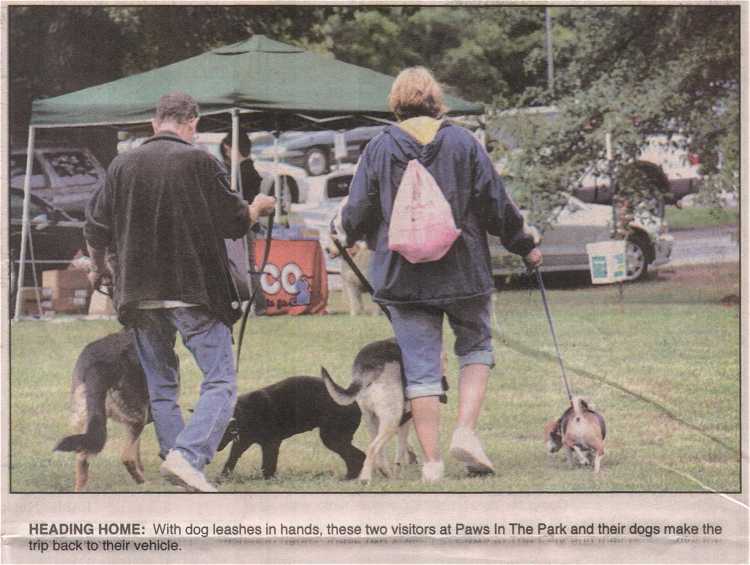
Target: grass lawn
x=662 y=365
x=690 y=218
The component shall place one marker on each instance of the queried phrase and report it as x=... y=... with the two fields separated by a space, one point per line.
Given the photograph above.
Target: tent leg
x=235 y=147
x=25 y=226
x=276 y=178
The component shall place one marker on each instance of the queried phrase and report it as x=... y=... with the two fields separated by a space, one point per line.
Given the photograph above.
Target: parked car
x=577 y=223
x=563 y=245
x=63 y=176
x=315 y=151
x=56 y=237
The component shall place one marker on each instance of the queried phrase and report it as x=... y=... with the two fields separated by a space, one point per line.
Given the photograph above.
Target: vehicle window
x=16 y=206
x=338 y=187
x=73 y=167
x=18 y=166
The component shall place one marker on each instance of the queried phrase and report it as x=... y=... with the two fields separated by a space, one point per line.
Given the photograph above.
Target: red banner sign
x=295 y=279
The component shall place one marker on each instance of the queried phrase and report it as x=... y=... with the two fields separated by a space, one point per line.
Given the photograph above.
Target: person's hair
x=244 y=144
x=415 y=92
x=176 y=107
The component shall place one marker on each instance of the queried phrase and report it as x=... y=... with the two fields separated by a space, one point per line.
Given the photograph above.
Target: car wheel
x=316 y=161
x=289 y=193
x=636 y=259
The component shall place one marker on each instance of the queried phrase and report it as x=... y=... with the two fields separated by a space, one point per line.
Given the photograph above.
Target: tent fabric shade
x=258 y=74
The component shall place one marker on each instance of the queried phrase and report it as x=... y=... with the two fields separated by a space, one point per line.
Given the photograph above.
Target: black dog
x=108 y=381
x=272 y=414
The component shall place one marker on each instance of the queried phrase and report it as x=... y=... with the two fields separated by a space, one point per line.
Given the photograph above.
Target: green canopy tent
x=259 y=84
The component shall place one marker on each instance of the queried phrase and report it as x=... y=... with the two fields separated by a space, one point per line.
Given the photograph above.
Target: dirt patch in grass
x=702 y=274
x=723 y=275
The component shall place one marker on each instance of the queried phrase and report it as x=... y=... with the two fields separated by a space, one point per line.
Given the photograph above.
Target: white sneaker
x=466 y=447
x=178 y=471
x=432 y=471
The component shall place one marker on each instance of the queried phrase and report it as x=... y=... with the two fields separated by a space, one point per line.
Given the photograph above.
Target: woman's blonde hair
x=415 y=92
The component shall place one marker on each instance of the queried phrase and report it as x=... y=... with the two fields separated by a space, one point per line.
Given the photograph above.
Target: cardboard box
x=65 y=279
x=70 y=305
x=29 y=293
x=29 y=305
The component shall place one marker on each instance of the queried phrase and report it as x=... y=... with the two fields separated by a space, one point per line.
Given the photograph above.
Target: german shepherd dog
x=108 y=381
x=378 y=387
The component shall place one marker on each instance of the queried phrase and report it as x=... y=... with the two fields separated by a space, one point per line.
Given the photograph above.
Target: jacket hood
x=416 y=138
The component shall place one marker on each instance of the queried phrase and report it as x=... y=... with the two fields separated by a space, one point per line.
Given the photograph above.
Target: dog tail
x=580 y=406
x=94 y=392
x=90 y=442
x=339 y=394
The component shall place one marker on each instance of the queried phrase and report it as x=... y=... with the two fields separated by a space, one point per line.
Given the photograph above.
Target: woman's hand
x=533 y=259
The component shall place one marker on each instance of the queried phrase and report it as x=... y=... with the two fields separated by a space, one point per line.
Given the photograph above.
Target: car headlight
x=316 y=162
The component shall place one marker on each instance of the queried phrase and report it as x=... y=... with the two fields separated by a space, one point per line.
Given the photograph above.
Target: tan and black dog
x=108 y=382
x=377 y=386
x=581 y=431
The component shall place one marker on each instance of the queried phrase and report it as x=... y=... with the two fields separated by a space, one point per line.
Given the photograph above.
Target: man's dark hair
x=244 y=144
x=176 y=107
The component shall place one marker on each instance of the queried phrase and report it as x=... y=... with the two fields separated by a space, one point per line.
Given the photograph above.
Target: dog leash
x=365 y=283
x=554 y=335
x=266 y=252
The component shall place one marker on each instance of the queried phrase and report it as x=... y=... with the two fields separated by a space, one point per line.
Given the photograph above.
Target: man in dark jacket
x=163 y=214
x=457 y=286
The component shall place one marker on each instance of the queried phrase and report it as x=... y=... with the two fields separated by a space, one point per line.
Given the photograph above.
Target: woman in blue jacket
x=460 y=284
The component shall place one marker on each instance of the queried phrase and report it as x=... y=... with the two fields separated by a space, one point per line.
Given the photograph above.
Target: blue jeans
x=419 y=333
x=210 y=342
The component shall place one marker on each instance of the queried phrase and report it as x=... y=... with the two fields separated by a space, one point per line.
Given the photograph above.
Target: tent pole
x=25 y=226
x=276 y=178
x=235 y=146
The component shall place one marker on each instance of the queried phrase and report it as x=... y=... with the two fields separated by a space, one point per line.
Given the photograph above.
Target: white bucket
x=607 y=261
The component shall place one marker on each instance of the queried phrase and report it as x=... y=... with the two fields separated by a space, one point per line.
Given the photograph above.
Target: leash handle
x=250 y=302
x=362 y=278
x=554 y=335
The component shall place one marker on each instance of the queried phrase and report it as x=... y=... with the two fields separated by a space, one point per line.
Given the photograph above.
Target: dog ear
x=324 y=374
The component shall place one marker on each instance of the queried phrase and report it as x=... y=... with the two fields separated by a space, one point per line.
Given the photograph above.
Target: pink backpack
x=422 y=227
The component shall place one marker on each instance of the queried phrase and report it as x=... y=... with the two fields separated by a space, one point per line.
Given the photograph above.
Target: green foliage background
x=628 y=70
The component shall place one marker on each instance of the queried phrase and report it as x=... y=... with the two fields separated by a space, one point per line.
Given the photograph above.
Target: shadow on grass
x=535 y=354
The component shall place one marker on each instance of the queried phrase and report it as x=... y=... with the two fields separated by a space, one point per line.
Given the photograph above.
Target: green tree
x=49 y=55
x=479 y=53
x=633 y=72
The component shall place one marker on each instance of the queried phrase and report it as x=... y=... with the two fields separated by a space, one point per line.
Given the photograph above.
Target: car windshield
x=73 y=167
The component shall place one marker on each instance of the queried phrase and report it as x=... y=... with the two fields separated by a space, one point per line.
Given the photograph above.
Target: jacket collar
x=422 y=128
x=167 y=135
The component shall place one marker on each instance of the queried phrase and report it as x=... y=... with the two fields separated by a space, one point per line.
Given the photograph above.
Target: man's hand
x=262 y=205
x=99 y=271
x=99 y=279
x=533 y=259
